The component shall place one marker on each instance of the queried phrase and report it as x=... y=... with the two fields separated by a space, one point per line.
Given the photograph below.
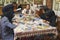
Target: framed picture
x=38 y=1
x=25 y=1
x=57 y=5
x=13 y=1
x=7 y=1
x=1 y=1
x=31 y=1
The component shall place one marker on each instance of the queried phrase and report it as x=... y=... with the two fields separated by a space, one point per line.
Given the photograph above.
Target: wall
x=0 y=10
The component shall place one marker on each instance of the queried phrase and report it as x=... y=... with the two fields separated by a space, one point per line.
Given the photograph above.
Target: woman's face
x=36 y=15
x=28 y=7
x=43 y=11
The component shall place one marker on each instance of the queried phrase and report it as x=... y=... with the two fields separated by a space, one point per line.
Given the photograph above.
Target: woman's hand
x=46 y=21
x=16 y=23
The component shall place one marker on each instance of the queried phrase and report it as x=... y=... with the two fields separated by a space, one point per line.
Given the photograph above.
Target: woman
x=9 y=9
x=7 y=27
x=48 y=15
x=27 y=10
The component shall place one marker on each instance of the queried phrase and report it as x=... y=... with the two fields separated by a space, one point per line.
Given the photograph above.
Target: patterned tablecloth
x=52 y=30
x=41 y=29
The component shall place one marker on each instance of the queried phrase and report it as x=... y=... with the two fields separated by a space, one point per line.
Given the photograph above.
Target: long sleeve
x=24 y=11
x=7 y=29
x=6 y=22
x=10 y=25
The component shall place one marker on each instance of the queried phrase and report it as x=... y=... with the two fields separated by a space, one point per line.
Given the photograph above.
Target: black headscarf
x=45 y=8
x=8 y=12
x=49 y=15
x=9 y=15
x=48 y=12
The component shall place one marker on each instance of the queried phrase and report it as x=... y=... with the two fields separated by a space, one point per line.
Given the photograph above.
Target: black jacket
x=50 y=16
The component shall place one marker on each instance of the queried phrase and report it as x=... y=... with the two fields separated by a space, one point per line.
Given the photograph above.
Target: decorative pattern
x=37 y=32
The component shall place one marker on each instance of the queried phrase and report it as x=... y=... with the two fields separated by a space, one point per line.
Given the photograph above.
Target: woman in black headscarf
x=49 y=15
x=9 y=10
x=7 y=26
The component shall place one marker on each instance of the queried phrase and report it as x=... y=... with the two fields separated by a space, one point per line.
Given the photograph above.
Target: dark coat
x=6 y=23
x=7 y=29
x=50 y=16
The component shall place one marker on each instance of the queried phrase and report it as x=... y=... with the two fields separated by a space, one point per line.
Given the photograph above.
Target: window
x=57 y=5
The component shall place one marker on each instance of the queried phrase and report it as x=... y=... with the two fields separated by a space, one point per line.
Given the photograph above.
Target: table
x=48 y=30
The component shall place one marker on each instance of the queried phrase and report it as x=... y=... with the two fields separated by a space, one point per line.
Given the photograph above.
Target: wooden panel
x=58 y=24
x=0 y=10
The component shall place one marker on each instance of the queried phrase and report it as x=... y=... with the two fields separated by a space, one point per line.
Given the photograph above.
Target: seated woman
x=27 y=10
x=48 y=15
